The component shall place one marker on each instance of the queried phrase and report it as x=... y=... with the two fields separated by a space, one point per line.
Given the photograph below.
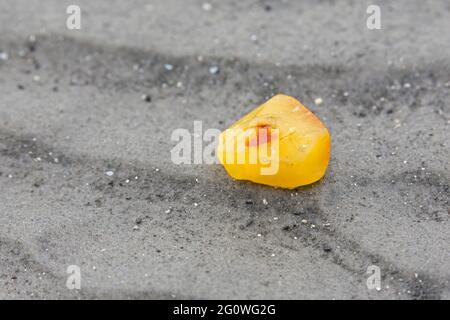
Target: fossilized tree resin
x=281 y=143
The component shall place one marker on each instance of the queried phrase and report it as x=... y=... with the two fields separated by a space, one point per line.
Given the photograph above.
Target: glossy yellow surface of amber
x=281 y=143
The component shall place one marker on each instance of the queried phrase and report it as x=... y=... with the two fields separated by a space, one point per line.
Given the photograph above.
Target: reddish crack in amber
x=263 y=134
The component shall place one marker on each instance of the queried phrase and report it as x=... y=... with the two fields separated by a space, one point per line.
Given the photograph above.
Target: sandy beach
x=86 y=176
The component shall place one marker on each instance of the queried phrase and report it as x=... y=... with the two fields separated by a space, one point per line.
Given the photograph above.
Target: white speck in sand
x=36 y=78
x=168 y=67
x=109 y=173
x=3 y=56
x=259 y=235
x=272 y=255
x=214 y=70
x=136 y=228
x=318 y=101
x=195 y=204
x=304 y=221
x=254 y=37
x=207 y=6
x=407 y=85
x=10 y=176
x=275 y=218
x=265 y=202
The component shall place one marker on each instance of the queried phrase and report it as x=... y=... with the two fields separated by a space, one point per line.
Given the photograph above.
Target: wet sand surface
x=72 y=110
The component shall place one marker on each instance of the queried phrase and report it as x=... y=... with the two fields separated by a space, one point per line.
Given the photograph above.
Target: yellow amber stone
x=281 y=143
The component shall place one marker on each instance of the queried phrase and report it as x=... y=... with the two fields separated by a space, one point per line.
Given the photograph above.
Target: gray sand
x=71 y=110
